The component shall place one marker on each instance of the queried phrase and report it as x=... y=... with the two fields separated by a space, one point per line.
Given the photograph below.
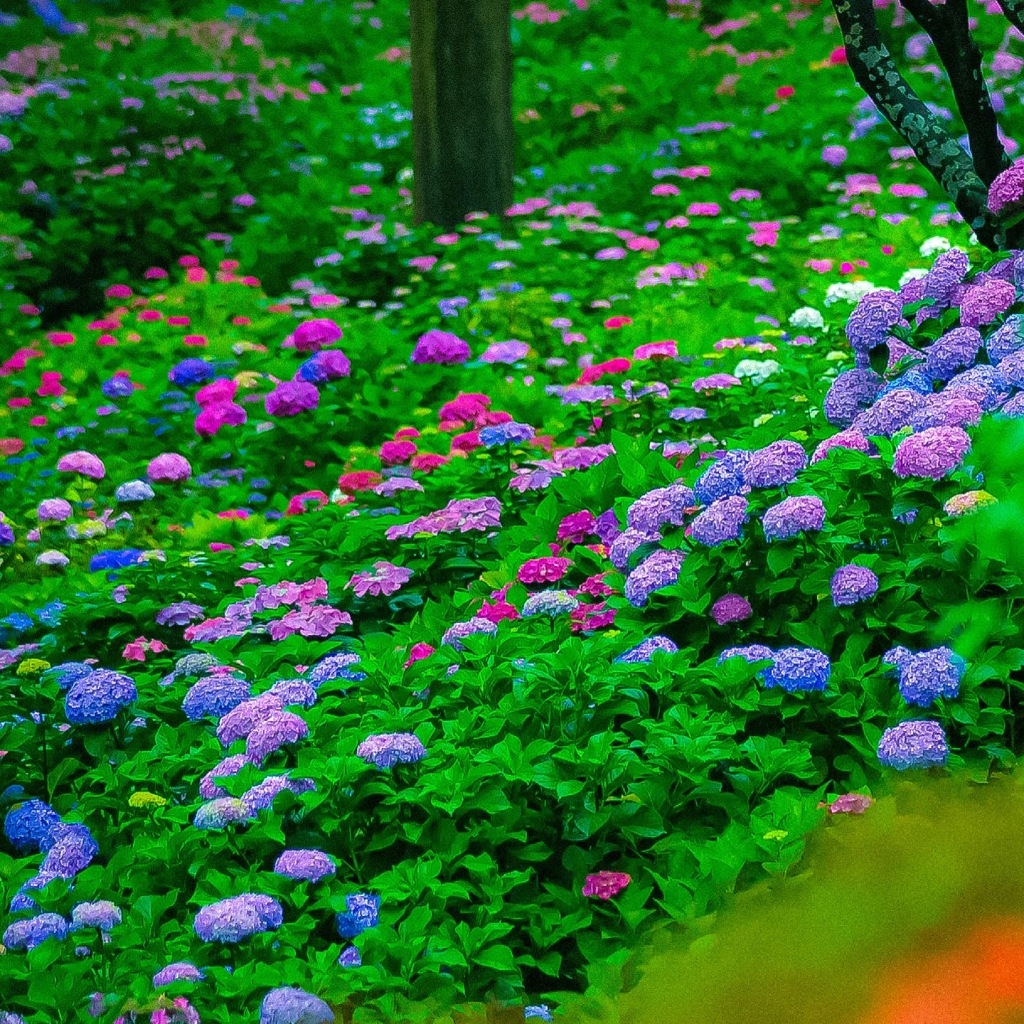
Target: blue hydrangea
x=335 y=666
x=1006 y=339
x=723 y=478
x=798 y=668
x=506 y=433
x=924 y=676
x=294 y=692
x=538 y=1012
x=214 y=696
x=629 y=543
x=891 y=412
x=850 y=394
x=237 y=918
x=31 y=932
x=361 y=912
x=350 y=957
x=852 y=584
x=750 y=653
x=385 y=750
x=101 y=914
x=68 y=673
x=115 y=559
x=134 y=490
x=646 y=649
x=190 y=372
x=294 y=1006
x=29 y=824
x=181 y=971
x=304 y=865
x=954 y=350
x=913 y=744
x=99 y=697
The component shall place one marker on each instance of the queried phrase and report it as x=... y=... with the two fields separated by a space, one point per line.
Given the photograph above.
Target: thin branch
x=949 y=29
x=877 y=74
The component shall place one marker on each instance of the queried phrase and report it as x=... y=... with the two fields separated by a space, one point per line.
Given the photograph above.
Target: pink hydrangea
x=543 y=570
x=1006 y=193
x=606 y=884
x=313 y=335
x=84 y=463
x=933 y=453
x=169 y=467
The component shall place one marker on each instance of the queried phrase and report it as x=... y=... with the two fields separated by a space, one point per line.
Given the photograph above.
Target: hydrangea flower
x=456 y=633
x=794 y=515
x=750 y=653
x=292 y=397
x=237 y=723
x=543 y=570
x=627 y=544
x=850 y=394
x=721 y=521
x=237 y=918
x=983 y=303
x=506 y=433
x=313 y=335
x=659 y=507
x=99 y=697
x=852 y=440
x=70 y=848
x=969 y=501
x=33 y=931
x=294 y=1006
x=385 y=750
x=954 y=350
x=215 y=696
x=1006 y=193
x=169 y=467
x=933 y=453
x=723 y=478
x=220 y=812
x=54 y=510
x=892 y=411
x=606 y=884
x=913 y=744
x=776 y=465
x=102 y=914
x=181 y=613
x=657 y=571
x=28 y=824
x=261 y=797
x=731 y=608
x=925 y=676
x=551 y=603
x=134 y=490
x=876 y=315
x=350 y=957
x=273 y=732
x=440 y=348
x=84 y=463
x=304 y=865
x=335 y=666
x=798 y=668
x=852 y=584
x=362 y=911
x=177 y=972
x=646 y=649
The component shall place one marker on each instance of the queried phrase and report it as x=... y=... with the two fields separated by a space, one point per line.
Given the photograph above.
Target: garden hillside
x=395 y=619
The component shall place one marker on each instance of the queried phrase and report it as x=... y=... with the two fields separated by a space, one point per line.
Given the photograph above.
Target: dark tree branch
x=961 y=57
x=877 y=74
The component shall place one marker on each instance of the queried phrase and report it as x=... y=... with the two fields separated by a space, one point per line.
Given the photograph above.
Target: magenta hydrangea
x=731 y=608
x=292 y=397
x=933 y=453
x=169 y=467
x=1006 y=193
x=440 y=347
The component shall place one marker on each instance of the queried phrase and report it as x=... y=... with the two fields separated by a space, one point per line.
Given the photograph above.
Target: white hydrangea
x=847 y=291
x=807 y=318
x=913 y=274
x=934 y=245
x=758 y=370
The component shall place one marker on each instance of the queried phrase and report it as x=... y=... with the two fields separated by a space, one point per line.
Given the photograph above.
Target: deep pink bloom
x=312 y=335
x=217 y=415
x=543 y=570
x=394 y=453
x=84 y=463
x=418 y=652
x=605 y=884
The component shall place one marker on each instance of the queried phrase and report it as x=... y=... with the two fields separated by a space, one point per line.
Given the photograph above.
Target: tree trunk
x=462 y=108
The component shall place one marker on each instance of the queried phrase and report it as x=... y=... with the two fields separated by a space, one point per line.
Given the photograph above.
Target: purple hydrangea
x=946 y=410
x=913 y=744
x=335 y=666
x=1006 y=339
x=659 y=507
x=261 y=797
x=1006 y=193
x=324 y=366
x=215 y=696
x=294 y=692
x=851 y=584
x=933 y=453
x=948 y=271
x=29 y=824
x=33 y=931
x=776 y=465
x=312 y=335
x=731 y=608
x=723 y=478
x=1011 y=370
x=274 y=732
x=181 y=613
x=208 y=788
x=955 y=350
x=190 y=372
x=54 y=510
x=791 y=516
x=721 y=521
x=873 y=320
x=237 y=918
x=627 y=544
x=1014 y=407
x=304 y=865
x=925 y=676
x=292 y=397
x=983 y=303
x=294 y=1006
x=798 y=668
x=350 y=957
x=853 y=440
x=850 y=394
x=241 y=720
x=99 y=697
x=458 y=631
x=441 y=348
x=177 y=972
x=750 y=653
x=506 y=433
x=385 y=750
x=646 y=649
x=657 y=571
x=362 y=911
x=890 y=413
x=607 y=527
x=70 y=848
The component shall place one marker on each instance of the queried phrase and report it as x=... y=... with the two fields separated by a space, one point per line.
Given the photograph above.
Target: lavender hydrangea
x=304 y=865
x=750 y=653
x=794 y=515
x=946 y=410
x=261 y=796
x=852 y=584
x=385 y=750
x=272 y=733
x=933 y=453
x=335 y=666
x=294 y=693
x=350 y=957
x=983 y=303
x=457 y=632
x=33 y=931
x=721 y=521
x=731 y=608
x=181 y=613
x=101 y=914
x=890 y=413
x=294 y=1006
x=948 y=271
x=925 y=676
x=237 y=723
x=873 y=320
x=1006 y=339
x=776 y=465
x=362 y=911
x=646 y=649
x=954 y=350
x=657 y=571
x=853 y=440
x=99 y=697
x=913 y=744
x=237 y=918
x=723 y=478
x=627 y=544
x=180 y=971
x=70 y=848
x=850 y=394
x=220 y=812
x=660 y=507
x=798 y=668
